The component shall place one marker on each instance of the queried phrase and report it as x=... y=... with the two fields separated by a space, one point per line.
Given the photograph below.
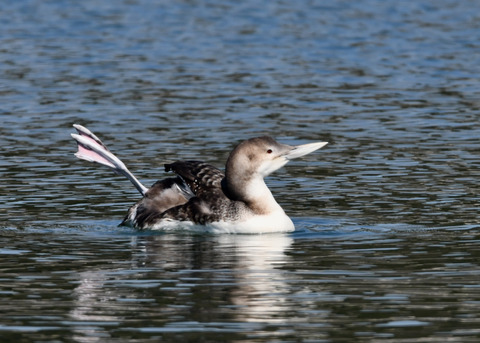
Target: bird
x=201 y=197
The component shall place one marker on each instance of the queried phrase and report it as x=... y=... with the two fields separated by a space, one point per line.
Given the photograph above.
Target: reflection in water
x=161 y=277
x=93 y=307
x=392 y=85
x=259 y=296
x=371 y=282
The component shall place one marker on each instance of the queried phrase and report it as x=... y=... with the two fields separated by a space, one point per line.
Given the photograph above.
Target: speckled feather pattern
x=209 y=203
x=201 y=195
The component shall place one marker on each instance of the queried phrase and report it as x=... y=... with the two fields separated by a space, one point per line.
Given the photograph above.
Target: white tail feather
x=91 y=148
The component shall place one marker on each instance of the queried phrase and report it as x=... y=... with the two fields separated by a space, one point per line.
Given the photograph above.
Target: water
x=387 y=240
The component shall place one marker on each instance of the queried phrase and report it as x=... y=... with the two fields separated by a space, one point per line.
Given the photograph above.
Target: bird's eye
x=269 y=151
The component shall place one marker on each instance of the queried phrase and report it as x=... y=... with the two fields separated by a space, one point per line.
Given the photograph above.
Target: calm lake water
x=387 y=240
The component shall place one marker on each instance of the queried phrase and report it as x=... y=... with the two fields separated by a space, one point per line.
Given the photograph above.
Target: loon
x=202 y=197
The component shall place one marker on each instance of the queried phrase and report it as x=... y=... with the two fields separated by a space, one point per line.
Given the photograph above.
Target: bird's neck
x=253 y=192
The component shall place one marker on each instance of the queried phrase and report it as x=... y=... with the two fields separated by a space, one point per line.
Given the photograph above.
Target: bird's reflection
x=236 y=278
x=261 y=283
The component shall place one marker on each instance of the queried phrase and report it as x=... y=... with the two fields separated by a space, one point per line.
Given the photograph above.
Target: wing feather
x=202 y=178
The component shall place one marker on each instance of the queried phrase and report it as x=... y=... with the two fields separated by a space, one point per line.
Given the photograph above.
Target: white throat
x=259 y=198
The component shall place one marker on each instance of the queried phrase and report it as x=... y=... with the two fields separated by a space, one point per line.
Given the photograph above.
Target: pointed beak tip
x=304 y=149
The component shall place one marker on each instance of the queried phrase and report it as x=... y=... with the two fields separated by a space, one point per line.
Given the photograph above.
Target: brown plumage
x=200 y=194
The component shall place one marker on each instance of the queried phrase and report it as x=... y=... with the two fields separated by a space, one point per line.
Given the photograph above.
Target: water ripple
x=386 y=215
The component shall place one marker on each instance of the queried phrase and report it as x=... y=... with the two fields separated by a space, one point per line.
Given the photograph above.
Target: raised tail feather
x=91 y=148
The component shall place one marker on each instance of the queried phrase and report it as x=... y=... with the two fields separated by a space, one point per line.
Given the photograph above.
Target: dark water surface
x=387 y=246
